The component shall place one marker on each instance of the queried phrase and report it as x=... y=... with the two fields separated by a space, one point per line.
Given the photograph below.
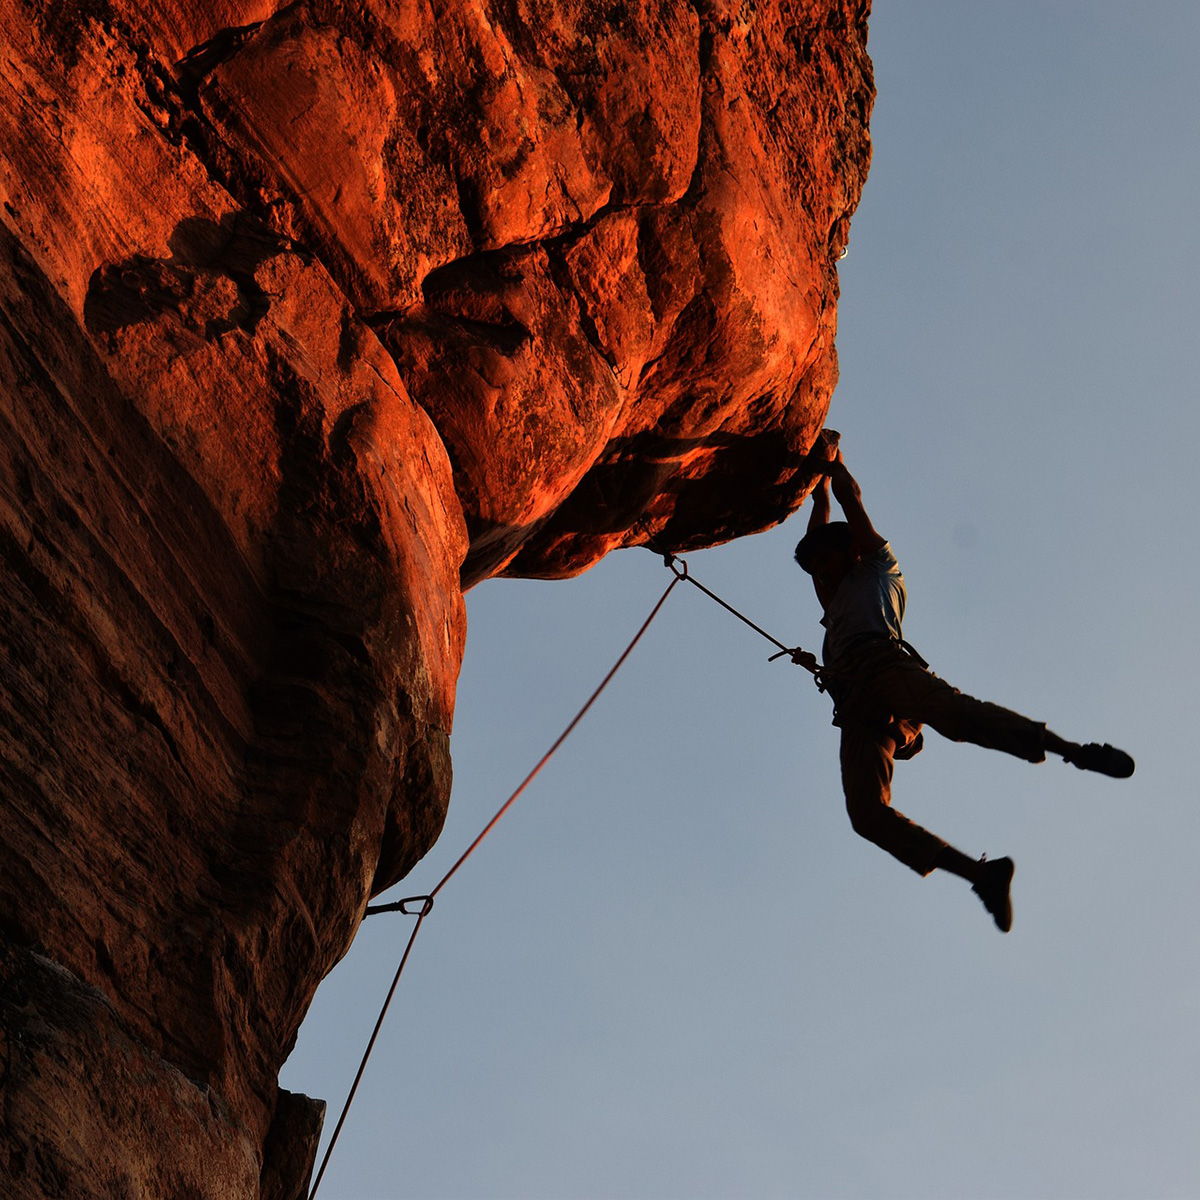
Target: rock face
x=311 y=316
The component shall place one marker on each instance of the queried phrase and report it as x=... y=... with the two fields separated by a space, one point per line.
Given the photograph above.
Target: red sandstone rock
x=309 y=316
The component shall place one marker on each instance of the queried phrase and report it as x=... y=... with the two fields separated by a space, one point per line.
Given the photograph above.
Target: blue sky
x=674 y=972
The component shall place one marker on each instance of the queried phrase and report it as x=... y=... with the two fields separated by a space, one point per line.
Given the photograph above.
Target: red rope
x=427 y=904
x=562 y=737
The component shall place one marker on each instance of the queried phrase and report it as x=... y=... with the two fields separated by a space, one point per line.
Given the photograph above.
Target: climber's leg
x=867 y=767
x=902 y=686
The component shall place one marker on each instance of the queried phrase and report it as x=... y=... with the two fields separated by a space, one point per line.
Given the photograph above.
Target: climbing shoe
x=992 y=888
x=1106 y=759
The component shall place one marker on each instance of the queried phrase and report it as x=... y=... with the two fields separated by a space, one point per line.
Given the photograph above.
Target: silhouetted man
x=883 y=693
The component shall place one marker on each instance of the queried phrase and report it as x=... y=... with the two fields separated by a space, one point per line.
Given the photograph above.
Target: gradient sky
x=674 y=972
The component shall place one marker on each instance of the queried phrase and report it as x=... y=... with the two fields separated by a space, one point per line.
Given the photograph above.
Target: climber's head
x=827 y=552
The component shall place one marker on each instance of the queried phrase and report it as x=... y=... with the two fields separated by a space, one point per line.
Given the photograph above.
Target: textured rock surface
x=311 y=315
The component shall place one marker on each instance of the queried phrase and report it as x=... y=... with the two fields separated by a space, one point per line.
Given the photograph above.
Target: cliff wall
x=311 y=316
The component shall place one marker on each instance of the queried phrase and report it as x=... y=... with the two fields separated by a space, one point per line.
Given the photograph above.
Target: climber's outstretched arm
x=849 y=495
x=820 y=504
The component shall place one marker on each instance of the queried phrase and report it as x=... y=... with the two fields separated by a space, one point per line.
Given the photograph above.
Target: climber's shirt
x=869 y=603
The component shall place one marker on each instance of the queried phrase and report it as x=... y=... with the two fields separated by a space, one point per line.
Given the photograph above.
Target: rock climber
x=883 y=691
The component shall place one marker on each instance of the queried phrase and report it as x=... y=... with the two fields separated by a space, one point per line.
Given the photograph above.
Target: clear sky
x=674 y=972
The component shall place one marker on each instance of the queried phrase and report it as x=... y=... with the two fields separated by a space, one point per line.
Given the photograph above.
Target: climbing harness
x=422 y=906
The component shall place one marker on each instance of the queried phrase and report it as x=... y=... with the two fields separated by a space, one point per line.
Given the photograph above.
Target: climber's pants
x=889 y=689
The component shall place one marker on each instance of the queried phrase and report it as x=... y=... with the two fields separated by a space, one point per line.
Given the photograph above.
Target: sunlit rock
x=310 y=316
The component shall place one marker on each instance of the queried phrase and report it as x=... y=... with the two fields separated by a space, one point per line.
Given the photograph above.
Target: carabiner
x=401 y=906
x=671 y=560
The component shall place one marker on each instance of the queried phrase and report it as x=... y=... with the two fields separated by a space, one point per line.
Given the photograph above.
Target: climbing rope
x=408 y=906
x=426 y=902
x=679 y=568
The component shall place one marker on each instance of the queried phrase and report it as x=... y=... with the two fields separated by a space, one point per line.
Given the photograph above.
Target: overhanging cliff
x=312 y=315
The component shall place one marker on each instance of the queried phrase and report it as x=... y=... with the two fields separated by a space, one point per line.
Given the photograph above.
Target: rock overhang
x=314 y=315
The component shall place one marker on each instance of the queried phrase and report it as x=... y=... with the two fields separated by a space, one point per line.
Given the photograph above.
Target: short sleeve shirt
x=870 y=600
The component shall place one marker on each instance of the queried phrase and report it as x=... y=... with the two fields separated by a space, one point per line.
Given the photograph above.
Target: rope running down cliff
x=679 y=570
